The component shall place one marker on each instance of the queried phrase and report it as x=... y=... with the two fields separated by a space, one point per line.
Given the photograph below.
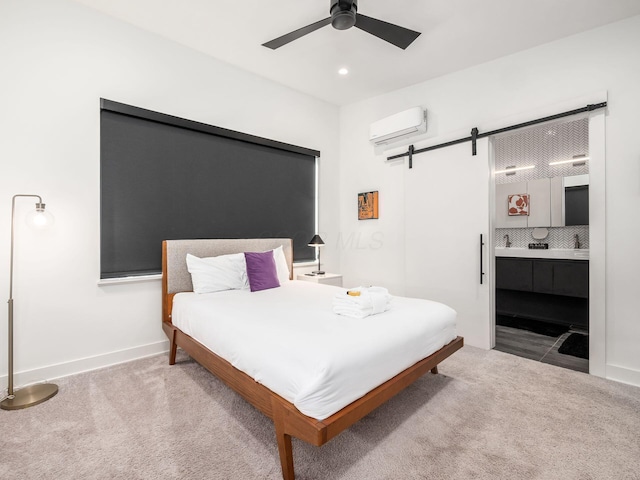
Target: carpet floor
x=487 y=415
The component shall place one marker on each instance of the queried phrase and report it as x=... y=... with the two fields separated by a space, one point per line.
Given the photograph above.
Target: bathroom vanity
x=547 y=285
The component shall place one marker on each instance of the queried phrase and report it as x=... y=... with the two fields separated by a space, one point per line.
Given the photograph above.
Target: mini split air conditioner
x=399 y=126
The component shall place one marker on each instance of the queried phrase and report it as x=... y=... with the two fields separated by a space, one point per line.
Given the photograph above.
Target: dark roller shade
x=160 y=181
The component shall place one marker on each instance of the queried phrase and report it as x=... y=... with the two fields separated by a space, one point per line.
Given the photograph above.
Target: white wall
x=58 y=58
x=603 y=59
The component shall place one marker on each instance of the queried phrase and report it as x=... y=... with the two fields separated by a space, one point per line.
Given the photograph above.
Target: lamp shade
x=40 y=218
x=316 y=241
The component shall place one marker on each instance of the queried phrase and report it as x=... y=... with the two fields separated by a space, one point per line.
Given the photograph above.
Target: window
x=164 y=177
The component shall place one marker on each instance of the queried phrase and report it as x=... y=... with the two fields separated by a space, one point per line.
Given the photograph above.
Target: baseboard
x=74 y=367
x=623 y=375
x=51 y=372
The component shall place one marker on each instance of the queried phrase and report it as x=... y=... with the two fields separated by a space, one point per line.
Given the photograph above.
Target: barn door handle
x=481 y=260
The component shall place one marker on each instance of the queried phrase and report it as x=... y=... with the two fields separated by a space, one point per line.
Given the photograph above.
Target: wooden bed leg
x=286 y=455
x=285 y=449
x=434 y=370
x=173 y=348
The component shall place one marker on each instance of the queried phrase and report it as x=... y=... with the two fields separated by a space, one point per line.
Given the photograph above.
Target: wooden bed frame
x=287 y=419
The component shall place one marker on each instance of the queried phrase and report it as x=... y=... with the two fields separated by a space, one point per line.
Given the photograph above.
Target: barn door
x=447 y=226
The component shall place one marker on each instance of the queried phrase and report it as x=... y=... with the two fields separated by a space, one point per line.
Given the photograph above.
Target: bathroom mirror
x=570 y=200
x=555 y=202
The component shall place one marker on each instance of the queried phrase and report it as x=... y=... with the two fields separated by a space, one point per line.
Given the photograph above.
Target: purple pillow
x=261 y=270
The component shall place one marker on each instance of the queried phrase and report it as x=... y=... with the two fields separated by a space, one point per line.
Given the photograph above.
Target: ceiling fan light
x=343 y=20
x=343 y=16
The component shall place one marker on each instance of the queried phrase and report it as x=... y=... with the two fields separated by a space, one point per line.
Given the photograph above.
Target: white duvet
x=289 y=340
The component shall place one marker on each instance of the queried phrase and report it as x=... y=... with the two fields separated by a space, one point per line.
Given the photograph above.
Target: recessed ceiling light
x=343 y=71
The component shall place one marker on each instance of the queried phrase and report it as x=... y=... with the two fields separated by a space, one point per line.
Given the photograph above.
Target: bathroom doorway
x=542 y=243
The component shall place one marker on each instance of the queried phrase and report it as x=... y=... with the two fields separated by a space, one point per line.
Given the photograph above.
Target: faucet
x=576 y=244
x=508 y=243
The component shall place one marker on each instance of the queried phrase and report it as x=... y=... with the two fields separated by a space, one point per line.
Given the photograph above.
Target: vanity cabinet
x=554 y=291
x=514 y=274
x=562 y=277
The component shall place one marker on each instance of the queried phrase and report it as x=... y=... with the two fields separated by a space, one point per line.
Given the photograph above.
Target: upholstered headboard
x=175 y=276
x=174 y=265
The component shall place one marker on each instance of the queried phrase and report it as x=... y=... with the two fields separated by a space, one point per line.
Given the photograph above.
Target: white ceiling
x=456 y=34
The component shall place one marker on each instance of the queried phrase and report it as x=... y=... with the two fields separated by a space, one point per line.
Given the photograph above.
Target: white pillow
x=214 y=274
x=282 y=267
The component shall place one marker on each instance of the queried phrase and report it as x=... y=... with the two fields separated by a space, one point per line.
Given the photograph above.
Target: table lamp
x=316 y=241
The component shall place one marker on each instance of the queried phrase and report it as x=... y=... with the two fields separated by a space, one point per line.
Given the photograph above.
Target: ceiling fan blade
x=301 y=32
x=401 y=37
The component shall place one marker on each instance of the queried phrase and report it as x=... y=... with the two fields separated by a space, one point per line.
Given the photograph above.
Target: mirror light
x=574 y=160
x=514 y=169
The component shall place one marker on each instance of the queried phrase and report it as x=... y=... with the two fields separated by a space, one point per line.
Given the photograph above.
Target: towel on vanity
x=370 y=301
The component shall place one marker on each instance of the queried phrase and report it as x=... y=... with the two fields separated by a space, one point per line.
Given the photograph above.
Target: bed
x=284 y=390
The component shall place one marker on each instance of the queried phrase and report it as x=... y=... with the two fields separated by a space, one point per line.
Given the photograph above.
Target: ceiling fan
x=344 y=15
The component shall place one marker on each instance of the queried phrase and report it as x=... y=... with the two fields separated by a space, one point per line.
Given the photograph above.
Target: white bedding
x=289 y=340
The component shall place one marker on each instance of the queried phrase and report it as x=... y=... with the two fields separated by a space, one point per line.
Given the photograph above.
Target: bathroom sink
x=559 y=253
x=581 y=253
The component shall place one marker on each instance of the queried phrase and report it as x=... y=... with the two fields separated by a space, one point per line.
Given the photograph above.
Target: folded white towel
x=372 y=300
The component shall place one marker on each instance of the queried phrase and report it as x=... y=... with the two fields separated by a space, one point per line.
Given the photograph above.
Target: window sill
x=134 y=279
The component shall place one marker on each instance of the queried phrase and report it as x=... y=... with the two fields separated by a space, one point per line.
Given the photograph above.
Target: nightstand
x=334 y=279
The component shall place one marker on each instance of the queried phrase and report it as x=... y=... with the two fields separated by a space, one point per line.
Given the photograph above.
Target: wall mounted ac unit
x=399 y=126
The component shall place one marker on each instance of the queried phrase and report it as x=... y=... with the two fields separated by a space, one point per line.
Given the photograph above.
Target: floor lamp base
x=29 y=396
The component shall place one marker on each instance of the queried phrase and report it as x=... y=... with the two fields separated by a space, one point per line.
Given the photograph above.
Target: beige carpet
x=488 y=415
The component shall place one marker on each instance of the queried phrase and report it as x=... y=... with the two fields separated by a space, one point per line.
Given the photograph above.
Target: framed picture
x=519 y=204
x=367 y=205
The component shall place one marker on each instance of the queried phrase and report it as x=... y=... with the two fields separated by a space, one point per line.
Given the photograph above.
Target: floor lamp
x=33 y=394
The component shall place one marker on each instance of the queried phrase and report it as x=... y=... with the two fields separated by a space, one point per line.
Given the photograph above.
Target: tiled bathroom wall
x=559 y=237
x=539 y=146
